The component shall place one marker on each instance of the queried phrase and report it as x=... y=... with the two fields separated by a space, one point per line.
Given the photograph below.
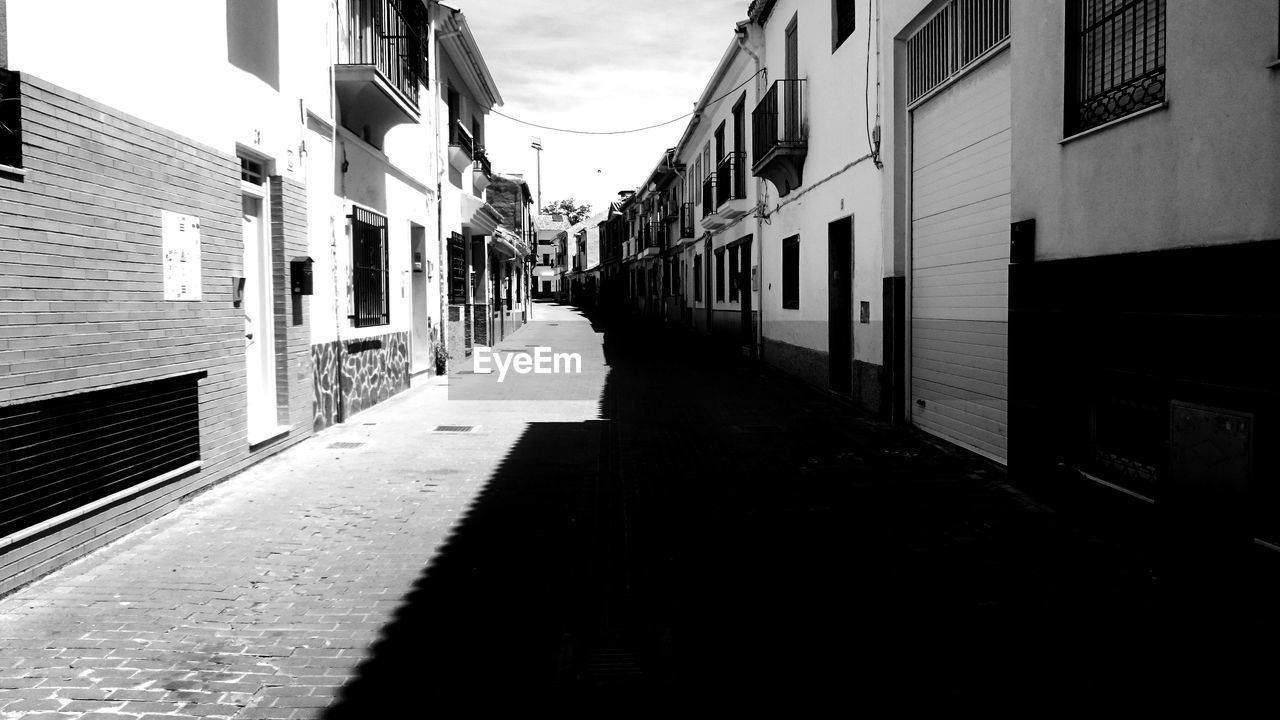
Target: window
x=720 y=274
x=251 y=171
x=10 y=120
x=457 y=270
x=697 y=278
x=842 y=21
x=1115 y=60
x=791 y=273
x=369 y=269
x=733 y=274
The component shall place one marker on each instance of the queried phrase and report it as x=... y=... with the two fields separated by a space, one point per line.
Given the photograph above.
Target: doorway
x=259 y=321
x=423 y=326
x=747 y=330
x=840 y=304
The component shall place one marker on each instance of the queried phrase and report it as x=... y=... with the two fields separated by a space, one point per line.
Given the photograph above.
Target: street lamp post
x=536 y=144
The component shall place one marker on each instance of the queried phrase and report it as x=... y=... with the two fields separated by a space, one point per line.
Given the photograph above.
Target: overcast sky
x=595 y=65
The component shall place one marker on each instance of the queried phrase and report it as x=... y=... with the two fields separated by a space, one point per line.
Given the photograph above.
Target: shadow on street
x=726 y=535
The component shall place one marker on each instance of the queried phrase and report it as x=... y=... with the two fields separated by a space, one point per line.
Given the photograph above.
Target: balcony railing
x=460 y=137
x=387 y=34
x=709 y=195
x=657 y=232
x=686 y=220
x=731 y=181
x=482 y=162
x=779 y=140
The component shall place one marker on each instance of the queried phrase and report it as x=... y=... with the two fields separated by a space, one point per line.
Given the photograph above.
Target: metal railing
x=482 y=162
x=459 y=135
x=959 y=33
x=778 y=120
x=709 y=194
x=731 y=182
x=1115 y=60
x=388 y=35
x=657 y=233
x=686 y=220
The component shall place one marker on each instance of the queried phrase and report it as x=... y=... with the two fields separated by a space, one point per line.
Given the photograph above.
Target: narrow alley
x=679 y=529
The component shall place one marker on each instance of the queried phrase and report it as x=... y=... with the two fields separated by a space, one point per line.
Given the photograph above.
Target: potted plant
x=441 y=356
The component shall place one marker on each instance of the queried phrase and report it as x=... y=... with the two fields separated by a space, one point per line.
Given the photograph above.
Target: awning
x=478 y=216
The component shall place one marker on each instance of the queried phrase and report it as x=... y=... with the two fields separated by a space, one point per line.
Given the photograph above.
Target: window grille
x=791 y=273
x=960 y=33
x=369 y=277
x=1115 y=60
x=457 y=270
x=10 y=119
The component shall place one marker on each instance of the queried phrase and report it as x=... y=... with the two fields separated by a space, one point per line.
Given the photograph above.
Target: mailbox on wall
x=300 y=276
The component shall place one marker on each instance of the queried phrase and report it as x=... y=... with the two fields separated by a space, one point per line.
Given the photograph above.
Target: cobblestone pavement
x=692 y=524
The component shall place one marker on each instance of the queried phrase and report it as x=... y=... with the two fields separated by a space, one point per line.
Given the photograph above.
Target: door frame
x=262 y=405
x=840 y=259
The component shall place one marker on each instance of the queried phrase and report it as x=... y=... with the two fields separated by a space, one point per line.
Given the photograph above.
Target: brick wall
x=81 y=293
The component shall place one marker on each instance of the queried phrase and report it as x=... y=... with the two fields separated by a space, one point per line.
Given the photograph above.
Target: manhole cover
x=454 y=428
x=345 y=445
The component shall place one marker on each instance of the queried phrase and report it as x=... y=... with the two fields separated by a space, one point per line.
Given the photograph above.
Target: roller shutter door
x=959 y=260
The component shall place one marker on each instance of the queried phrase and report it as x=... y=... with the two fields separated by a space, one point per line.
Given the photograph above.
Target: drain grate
x=345 y=445
x=454 y=428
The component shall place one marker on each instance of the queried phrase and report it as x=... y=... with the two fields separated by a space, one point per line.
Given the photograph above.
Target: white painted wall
x=1200 y=172
x=839 y=106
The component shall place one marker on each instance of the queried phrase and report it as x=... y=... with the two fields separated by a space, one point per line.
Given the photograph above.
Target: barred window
x=457 y=270
x=369 y=277
x=1115 y=60
x=791 y=273
x=10 y=120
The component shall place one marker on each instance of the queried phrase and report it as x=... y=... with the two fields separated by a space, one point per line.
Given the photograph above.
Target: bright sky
x=595 y=65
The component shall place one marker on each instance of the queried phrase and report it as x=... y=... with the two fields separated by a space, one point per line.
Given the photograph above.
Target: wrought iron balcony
x=686 y=220
x=483 y=171
x=709 y=195
x=779 y=141
x=382 y=63
x=461 y=146
x=731 y=181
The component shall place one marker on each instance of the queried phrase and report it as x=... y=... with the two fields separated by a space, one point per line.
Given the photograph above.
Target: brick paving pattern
x=703 y=527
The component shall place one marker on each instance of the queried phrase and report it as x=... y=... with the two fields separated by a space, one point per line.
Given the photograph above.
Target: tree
x=573 y=212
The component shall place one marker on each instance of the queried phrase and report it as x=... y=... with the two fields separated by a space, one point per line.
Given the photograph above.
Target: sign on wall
x=181 y=246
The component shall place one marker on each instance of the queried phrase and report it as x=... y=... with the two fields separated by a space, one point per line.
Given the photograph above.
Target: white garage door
x=960 y=258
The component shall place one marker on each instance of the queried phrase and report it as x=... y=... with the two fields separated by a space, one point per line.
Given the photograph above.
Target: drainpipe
x=340 y=410
x=741 y=30
x=442 y=268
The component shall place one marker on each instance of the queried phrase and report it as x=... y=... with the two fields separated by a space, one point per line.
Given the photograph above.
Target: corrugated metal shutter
x=959 y=260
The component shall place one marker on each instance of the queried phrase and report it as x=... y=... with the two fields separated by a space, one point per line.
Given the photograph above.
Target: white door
x=259 y=324
x=960 y=260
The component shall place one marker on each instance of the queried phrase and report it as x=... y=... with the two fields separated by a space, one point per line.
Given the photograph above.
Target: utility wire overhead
x=629 y=131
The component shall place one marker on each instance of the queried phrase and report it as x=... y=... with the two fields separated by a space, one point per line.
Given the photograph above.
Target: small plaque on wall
x=180 y=236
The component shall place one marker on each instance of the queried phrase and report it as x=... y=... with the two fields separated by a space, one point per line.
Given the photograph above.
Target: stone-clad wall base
x=354 y=375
